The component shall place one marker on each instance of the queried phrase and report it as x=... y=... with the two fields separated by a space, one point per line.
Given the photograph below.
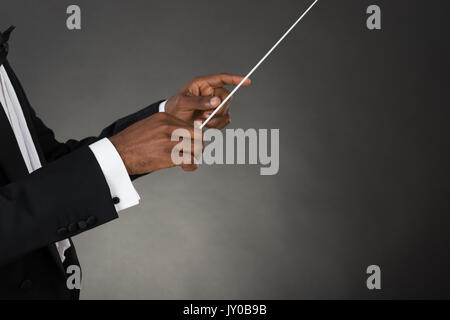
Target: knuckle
x=180 y=99
x=158 y=116
x=166 y=127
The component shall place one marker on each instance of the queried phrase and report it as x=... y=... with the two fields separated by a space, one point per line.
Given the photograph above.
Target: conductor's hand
x=198 y=99
x=147 y=145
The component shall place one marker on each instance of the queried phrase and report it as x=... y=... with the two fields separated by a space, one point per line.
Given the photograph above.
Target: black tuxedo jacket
x=69 y=195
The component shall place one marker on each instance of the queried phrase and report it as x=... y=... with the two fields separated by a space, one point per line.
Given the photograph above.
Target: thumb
x=201 y=103
x=190 y=167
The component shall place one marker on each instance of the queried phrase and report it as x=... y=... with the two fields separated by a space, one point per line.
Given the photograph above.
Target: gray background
x=364 y=144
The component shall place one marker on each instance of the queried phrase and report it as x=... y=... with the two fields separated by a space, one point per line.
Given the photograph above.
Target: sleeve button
x=91 y=221
x=62 y=231
x=73 y=227
x=116 y=200
x=82 y=225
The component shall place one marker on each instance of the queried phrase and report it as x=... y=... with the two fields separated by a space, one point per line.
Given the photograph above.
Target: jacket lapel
x=26 y=108
x=13 y=162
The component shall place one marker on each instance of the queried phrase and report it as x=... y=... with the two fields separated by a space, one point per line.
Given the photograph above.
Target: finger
x=192 y=103
x=224 y=112
x=220 y=80
x=189 y=148
x=182 y=157
x=178 y=133
x=189 y=168
x=223 y=94
x=188 y=159
x=187 y=130
x=219 y=123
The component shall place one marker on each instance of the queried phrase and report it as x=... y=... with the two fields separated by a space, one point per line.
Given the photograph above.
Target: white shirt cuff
x=116 y=174
x=162 y=106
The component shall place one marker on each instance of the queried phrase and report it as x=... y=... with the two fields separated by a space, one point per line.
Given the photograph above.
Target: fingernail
x=214 y=101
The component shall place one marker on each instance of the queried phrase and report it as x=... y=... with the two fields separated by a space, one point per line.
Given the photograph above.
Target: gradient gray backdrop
x=364 y=144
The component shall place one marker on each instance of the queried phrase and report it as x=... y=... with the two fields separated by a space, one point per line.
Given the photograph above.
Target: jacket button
x=91 y=221
x=73 y=227
x=82 y=225
x=62 y=231
x=116 y=200
x=26 y=285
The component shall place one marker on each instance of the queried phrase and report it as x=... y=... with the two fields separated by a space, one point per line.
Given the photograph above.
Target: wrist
x=121 y=150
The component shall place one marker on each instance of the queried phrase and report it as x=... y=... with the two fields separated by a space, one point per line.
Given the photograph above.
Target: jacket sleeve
x=61 y=200
x=69 y=195
x=54 y=150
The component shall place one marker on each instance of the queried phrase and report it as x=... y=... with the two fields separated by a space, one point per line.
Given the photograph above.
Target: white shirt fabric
x=104 y=151
x=162 y=106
